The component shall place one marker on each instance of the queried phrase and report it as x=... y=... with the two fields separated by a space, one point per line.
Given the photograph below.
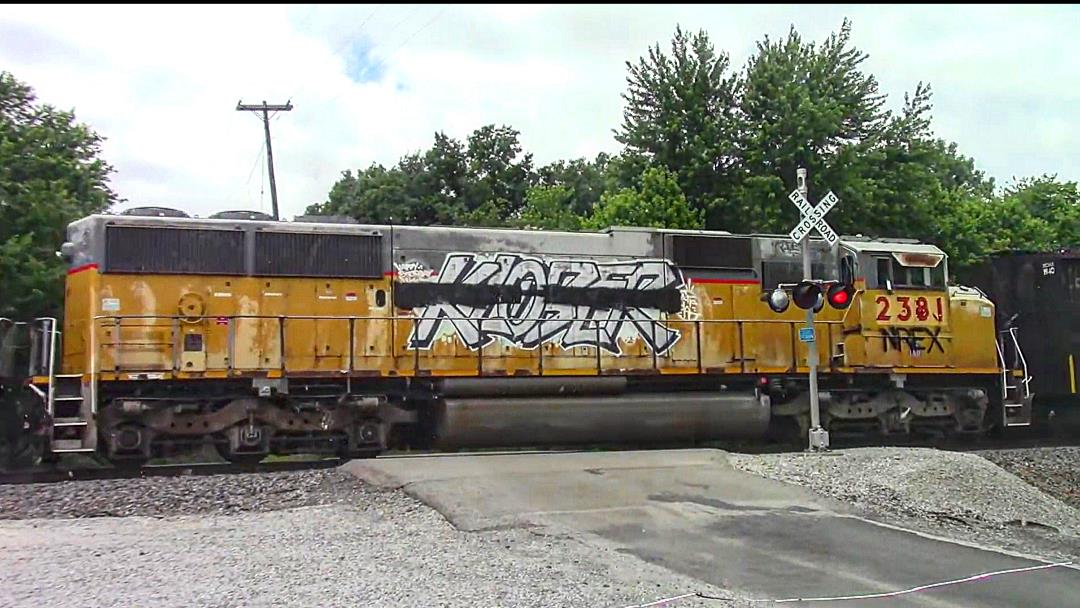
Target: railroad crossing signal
x=810 y=295
x=813 y=217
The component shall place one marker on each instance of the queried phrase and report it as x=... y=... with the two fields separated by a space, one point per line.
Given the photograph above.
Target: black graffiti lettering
x=914 y=338
x=933 y=335
x=529 y=301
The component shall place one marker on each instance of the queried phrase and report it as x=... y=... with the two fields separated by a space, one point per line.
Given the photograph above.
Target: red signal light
x=840 y=295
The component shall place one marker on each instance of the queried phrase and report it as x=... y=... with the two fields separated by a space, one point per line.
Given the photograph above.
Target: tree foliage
x=586 y=180
x=549 y=208
x=482 y=182
x=1040 y=214
x=51 y=173
x=659 y=203
x=681 y=114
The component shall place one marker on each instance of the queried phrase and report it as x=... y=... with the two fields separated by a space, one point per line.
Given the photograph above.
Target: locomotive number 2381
x=911 y=310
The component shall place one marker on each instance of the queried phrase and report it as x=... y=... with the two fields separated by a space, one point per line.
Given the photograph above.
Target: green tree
x=549 y=208
x=1050 y=201
x=659 y=203
x=586 y=180
x=1032 y=215
x=51 y=173
x=801 y=105
x=480 y=183
x=681 y=114
x=736 y=141
x=499 y=174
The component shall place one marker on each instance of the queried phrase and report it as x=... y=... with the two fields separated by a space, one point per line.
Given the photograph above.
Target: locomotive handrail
x=1006 y=367
x=351 y=356
x=50 y=362
x=1023 y=362
x=42 y=355
x=411 y=317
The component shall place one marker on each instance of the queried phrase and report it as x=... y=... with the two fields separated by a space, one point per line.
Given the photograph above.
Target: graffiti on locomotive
x=528 y=301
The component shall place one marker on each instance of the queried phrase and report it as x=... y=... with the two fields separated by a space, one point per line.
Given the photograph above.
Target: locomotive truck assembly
x=315 y=336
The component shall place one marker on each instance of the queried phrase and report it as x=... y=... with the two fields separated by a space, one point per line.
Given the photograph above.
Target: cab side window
x=847 y=270
x=884 y=272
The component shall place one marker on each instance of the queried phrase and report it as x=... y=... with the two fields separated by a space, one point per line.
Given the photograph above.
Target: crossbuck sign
x=813 y=217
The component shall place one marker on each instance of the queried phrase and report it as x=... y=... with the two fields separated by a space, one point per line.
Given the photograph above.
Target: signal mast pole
x=819 y=437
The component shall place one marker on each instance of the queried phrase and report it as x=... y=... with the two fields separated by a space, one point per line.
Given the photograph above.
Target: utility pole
x=266 y=109
x=819 y=437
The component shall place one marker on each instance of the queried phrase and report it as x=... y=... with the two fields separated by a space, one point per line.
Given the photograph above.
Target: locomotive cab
x=928 y=334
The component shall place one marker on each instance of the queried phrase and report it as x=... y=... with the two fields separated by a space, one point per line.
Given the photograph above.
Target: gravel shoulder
x=299 y=538
x=963 y=496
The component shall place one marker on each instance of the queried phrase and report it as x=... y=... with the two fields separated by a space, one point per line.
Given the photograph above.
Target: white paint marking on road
x=866 y=596
x=959 y=581
x=956 y=541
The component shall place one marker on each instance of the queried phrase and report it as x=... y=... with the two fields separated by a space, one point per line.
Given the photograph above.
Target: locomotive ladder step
x=69 y=422
x=67 y=446
x=1017 y=414
x=67 y=399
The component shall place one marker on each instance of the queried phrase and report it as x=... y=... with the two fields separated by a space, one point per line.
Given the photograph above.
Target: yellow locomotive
x=313 y=336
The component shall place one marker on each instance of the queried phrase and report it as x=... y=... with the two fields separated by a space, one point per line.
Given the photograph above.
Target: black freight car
x=1038 y=299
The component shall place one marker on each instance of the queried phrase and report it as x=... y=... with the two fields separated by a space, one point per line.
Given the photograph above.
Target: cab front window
x=910 y=271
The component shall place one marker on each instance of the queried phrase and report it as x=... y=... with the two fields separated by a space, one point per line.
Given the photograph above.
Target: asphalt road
x=691 y=512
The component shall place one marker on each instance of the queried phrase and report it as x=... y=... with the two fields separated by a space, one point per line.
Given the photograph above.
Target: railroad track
x=54 y=475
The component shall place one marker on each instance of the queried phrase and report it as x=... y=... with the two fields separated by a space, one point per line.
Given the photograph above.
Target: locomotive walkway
x=691 y=512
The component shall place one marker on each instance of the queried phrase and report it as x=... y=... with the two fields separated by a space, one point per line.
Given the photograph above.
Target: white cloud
x=161 y=82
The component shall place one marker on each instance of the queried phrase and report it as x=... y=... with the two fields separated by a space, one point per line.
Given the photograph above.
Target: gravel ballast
x=187 y=495
x=1055 y=471
x=954 y=494
x=319 y=538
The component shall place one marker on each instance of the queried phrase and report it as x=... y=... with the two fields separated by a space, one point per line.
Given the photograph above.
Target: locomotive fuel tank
x=639 y=417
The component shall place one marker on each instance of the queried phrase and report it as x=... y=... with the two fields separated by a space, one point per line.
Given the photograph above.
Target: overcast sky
x=372 y=82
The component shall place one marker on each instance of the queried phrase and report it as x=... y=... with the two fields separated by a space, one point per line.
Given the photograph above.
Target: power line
x=258 y=157
x=388 y=32
x=383 y=61
x=406 y=41
x=348 y=39
x=262 y=183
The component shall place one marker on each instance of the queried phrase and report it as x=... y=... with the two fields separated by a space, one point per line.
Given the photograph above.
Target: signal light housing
x=840 y=295
x=777 y=299
x=811 y=295
x=807 y=295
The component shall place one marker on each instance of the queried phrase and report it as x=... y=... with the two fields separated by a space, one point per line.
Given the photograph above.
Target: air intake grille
x=318 y=255
x=722 y=253
x=173 y=250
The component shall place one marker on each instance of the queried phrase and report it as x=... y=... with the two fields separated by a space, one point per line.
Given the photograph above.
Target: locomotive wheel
x=25 y=453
